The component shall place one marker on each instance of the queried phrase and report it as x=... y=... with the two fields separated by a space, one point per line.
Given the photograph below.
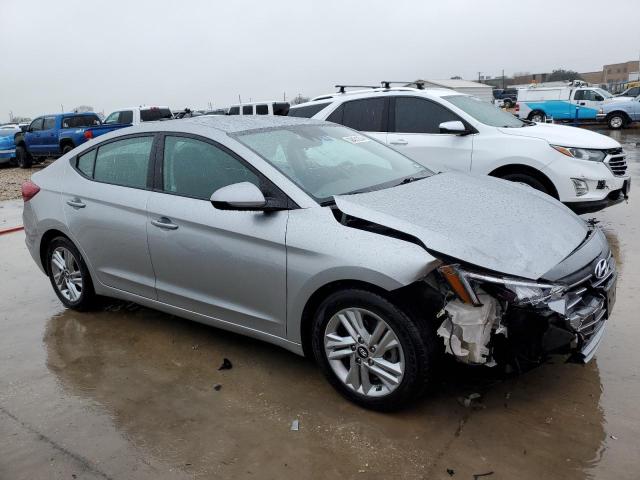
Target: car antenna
x=387 y=84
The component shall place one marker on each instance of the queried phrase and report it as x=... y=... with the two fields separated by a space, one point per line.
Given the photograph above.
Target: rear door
x=415 y=131
x=49 y=136
x=369 y=115
x=227 y=265
x=105 y=200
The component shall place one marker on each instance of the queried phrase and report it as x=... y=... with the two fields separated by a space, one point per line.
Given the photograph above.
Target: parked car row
x=446 y=130
x=328 y=242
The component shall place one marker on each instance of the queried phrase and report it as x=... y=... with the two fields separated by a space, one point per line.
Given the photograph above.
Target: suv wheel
x=371 y=351
x=69 y=275
x=66 y=149
x=527 y=180
x=616 y=121
x=23 y=158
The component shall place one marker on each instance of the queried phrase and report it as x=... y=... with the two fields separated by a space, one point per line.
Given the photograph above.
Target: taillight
x=517 y=107
x=88 y=134
x=29 y=190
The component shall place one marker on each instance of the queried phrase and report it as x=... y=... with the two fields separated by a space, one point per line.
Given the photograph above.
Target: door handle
x=400 y=141
x=76 y=203
x=164 y=222
x=582 y=103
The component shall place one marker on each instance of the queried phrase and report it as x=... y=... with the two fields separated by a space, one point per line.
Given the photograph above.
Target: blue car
x=8 y=144
x=620 y=114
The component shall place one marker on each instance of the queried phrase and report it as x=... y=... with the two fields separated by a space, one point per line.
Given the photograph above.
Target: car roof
x=229 y=124
x=375 y=92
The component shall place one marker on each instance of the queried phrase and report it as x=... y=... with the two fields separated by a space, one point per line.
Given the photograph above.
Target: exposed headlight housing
x=580 y=186
x=519 y=292
x=581 y=153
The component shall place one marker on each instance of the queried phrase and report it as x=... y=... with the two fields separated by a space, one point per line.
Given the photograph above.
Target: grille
x=616 y=162
x=586 y=305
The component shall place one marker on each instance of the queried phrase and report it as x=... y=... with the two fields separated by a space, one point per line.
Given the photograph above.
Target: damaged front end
x=489 y=319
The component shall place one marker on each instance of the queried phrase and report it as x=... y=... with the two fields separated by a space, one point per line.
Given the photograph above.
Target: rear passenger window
x=308 y=111
x=336 y=116
x=49 y=123
x=126 y=117
x=247 y=110
x=86 y=162
x=262 y=109
x=415 y=115
x=197 y=169
x=364 y=115
x=124 y=162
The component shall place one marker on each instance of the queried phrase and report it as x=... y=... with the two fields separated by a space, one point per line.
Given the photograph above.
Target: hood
x=488 y=222
x=564 y=136
x=617 y=99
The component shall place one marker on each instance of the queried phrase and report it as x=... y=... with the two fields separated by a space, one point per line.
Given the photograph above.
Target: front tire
x=527 y=180
x=507 y=102
x=23 y=158
x=69 y=275
x=371 y=351
x=616 y=121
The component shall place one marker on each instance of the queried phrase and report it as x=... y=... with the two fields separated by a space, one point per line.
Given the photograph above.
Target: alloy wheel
x=615 y=122
x=66 y=273
x=364 y=352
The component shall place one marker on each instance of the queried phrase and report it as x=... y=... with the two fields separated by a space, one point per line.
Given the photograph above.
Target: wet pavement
x=127 y=392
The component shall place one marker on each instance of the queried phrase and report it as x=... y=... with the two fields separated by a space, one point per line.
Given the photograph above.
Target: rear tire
x=537 y=116
x=527 y=180
x=381 y=339
x=616 y=121
x=507 y=102
x=23 y=158
x=66 y=149
x=69 y=275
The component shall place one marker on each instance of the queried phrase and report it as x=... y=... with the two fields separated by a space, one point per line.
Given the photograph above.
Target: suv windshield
x=326 y=160
x=484 y=112
x=153 y=114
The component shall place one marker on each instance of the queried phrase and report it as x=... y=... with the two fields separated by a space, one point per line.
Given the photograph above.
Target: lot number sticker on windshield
x=356 y=139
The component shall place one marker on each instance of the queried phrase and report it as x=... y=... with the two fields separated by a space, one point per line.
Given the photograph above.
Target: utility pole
x=61 y=108
x=503 y=78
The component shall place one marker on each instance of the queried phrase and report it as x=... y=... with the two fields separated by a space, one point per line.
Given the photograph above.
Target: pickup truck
x=620 y=114
x=51 y=136
x=138 y=115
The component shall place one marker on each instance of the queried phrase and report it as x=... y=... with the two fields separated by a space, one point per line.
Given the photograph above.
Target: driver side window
x=36 y=125
x=113 y=118
x=418 y=115
x=194 y=168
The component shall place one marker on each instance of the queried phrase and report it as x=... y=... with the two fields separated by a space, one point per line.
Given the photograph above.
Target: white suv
x=446 y=130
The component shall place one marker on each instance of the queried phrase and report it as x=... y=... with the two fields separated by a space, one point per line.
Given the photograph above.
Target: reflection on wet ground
x=127 y=392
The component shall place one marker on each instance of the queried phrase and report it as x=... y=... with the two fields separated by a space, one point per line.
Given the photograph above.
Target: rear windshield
x=153 y=114
x=81 y=121
x=308 y=111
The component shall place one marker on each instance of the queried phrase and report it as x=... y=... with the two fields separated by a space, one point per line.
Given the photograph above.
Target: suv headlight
x=581 y=153
x=518 y=292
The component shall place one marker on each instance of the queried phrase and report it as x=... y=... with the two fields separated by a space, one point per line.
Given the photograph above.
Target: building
x=480 y=90
x=594 y=78
x=620 y=72
x=527 y=78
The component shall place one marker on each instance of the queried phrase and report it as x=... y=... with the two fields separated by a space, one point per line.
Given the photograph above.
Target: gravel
x=12 y=178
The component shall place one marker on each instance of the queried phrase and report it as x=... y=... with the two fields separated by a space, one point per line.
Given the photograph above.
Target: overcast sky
x=119 y=53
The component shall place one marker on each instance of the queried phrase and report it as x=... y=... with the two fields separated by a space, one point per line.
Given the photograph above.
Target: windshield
x=484 y=112
x=327 y=160
x=603 y=92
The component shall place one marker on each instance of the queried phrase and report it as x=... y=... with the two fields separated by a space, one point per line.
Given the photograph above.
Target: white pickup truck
x=137 y=115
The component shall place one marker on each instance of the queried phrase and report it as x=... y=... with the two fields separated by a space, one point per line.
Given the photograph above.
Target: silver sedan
x=323 y=241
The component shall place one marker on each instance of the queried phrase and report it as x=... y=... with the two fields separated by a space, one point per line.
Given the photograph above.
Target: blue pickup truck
x=51 y=136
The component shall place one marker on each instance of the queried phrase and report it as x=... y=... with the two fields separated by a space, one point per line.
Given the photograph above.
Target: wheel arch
x=44 y=244
x=621 y=113
x=527 y=170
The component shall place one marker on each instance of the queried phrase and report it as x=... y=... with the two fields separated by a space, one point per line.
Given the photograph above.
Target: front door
x=227 y=265
x=105 y=205
x=589 y=102
x=33 y=136
x=415 y=131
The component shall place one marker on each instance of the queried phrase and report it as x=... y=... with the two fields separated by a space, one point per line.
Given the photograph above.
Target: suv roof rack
x=387 y=84
x=341 y=88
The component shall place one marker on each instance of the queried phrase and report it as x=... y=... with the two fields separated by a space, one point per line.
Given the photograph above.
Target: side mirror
x=238 y=196
x=456 y=127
